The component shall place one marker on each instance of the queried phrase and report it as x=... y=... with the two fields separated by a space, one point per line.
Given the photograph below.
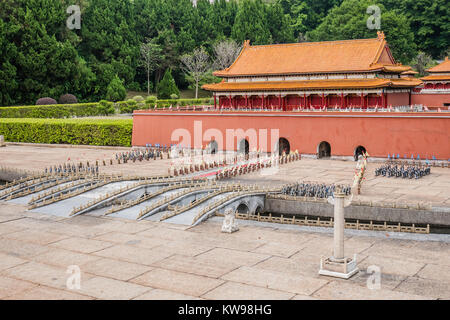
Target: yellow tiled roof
x=314 y=57
x=443 y=67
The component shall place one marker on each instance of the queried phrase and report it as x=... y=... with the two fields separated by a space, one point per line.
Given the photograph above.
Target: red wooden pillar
x=304 y=100
x=362 y=100
x=382 y=100
x=323 y=100
x=279 y=103
x=246 y=101
x=215 y=101
x=342 y=100
x=231 y=102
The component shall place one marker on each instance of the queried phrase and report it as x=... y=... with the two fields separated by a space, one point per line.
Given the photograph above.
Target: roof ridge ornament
x=381 y=35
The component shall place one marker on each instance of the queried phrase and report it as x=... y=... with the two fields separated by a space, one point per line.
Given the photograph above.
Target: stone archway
x=324 y=150
x=244 y=146
x=359 y=150
x=283 y=146
x=213 y=147
x=242 y=208
x=259 y=210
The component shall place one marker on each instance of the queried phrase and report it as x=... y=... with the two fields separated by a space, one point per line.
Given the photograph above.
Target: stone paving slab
x=119 y=270
x=275 y=280
x=239 y=291
x=344 y=291
x=184 y=283
x=47 y=293
x=42 y=274
x=64 y=258
x=160 y=294
x=134 y=254
x=10 y=286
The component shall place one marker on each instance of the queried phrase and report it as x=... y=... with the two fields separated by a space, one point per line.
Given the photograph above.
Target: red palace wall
x=431 y=100
x=398 y=99
x=426 y=134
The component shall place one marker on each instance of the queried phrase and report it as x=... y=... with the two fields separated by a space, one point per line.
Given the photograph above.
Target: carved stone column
x=338 y=265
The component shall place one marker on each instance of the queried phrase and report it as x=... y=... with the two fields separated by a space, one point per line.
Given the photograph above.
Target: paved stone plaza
x=123 y=259
x=151 y=260
x=434 y=188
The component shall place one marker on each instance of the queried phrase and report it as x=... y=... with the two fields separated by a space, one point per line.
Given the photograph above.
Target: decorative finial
x=381 y=35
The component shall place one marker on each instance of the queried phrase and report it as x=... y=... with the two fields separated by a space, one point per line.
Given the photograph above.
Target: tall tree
x=251 y=23
x=37 y=57
x=422 y=62
x=225 y=52
x=195 y=66
x=151 y=57
x=349 y=21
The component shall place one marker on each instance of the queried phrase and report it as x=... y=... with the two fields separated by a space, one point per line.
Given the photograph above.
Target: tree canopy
x=41 y=57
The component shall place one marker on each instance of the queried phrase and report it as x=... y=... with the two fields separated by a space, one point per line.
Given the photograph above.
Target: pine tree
x=167 y=86
x=251 y=23
x=116 y=90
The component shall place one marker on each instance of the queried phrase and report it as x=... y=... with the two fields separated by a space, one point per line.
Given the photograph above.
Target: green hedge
x=131 y=105
x=184 y=102
x=59 y=111
x=68 y=131
x=55 y=111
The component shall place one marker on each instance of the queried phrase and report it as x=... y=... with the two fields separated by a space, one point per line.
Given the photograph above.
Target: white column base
x=339 y=269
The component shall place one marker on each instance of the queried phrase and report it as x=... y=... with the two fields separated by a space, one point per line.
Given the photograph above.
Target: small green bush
x=129 y=106
x=138 y=98
x=151 y=100
x=167 y=86
x=116 y=90
x=173 y=96
x=45 y=101
x=67 y=99
x=106 y=108
x=68 y=131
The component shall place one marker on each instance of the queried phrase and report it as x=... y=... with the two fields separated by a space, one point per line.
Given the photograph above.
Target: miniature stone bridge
x=174 y=200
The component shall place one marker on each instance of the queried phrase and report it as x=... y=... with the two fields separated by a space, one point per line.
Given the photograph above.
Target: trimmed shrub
x=67 y=99
x=116 y=90
x=151 y=100
x=129 y=106
x=45 y=101
x=167 y=86
x=68 y=131
x=173 y=96
x=184 y=102
x=52 y=111
x=138 y=98
x=106 y=108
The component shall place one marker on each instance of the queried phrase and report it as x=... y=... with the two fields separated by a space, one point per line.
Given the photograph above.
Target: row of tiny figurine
x=313 y=190
x=410 y=172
